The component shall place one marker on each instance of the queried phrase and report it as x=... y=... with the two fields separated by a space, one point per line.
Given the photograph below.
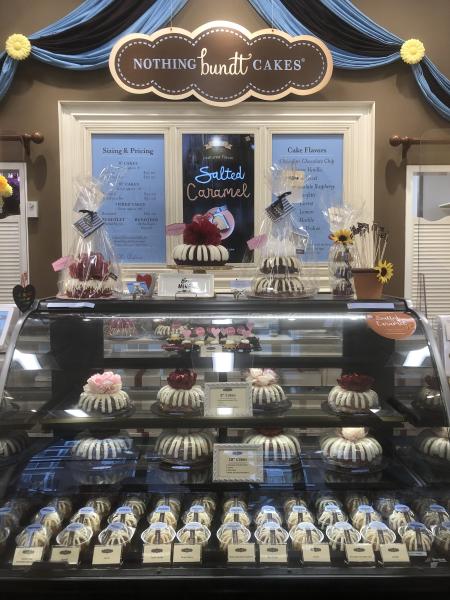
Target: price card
x=238 y=462
x=187 y=553
x=241 y=553
x=107 y=555
x=24 y=557
x=209 y=350
x=68 y=554
x=394 y=554
x=157 y=553
x=316 y=554
x=359 y=554
x=272 y=553
x=232 y=399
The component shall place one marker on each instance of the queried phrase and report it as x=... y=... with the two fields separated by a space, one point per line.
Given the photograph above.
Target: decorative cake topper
x=353 y=434
x=262 y=377
x=182 y=379
x=104 y=383
x=355 y=382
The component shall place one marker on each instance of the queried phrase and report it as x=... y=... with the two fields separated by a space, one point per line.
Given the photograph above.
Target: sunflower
x=412 y=51
x=18 y=46
x=341 y=236
x=385 y=271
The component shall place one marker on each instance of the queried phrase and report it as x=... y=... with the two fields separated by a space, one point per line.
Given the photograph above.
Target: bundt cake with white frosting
x=340 y=534
x=49 y=517
x=103 y=394
x=32 y=536
x=271 y=533
x=12 y=444
x=266 y=392
x=232 y=533
x=351 y=447
x=435 y=443
x=377 y=533
x=75 y=534
x=184 y=446
x=116 y=534
x=181 y=394
x=353 y=394
x=278 y=447
x=429 y=397
x=416 y=537
x=363 y=515
x=194 y=533
x=202 y=245
x=88 y=516
x=90 y=448
x=305 y=533
x=400 y=516
x=158 y=533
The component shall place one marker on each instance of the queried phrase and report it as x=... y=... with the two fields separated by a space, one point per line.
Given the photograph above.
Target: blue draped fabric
x=433 y=84
x=154 y=18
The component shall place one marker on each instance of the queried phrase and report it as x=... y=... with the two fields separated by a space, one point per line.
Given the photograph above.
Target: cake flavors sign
x=220 y=63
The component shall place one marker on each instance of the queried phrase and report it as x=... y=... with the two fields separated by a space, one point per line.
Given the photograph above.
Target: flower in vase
x=341 y=236
x=385 y=271
x=5 y=188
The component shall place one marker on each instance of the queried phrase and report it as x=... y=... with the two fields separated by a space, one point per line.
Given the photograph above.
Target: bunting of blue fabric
x=355 y=41
x=95 y=25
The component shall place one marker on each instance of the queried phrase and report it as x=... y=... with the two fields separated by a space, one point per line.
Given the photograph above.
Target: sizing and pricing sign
x=238 y=462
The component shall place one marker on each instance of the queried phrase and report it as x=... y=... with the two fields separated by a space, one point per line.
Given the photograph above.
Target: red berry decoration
x=89 y=266
x=355 y=382
x=182 y=379
x=201 y=232
x=272 y=432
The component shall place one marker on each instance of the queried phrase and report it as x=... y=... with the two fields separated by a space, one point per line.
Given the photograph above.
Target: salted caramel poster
x=219 y=180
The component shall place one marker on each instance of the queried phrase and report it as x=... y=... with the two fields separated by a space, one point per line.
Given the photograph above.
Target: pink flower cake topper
x=262 y=377
x=104 y=383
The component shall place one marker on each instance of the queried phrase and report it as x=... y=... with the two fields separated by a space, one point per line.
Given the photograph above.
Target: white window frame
x=79 y=120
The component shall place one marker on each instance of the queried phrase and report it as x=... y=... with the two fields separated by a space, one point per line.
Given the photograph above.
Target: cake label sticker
x=316 y=553
x=238 y=462
x=157 y=553
x=209 y=350
x=394 y=554
x=276 y=553
x=24 y=557
x=241 y=553
x=359 y=553
x=107 y=555
x=68 y=554
x=187 y=553
x=392 y=325
x=228 y=399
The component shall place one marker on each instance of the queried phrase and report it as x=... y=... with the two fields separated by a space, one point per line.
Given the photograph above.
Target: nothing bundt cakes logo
x=221 y=63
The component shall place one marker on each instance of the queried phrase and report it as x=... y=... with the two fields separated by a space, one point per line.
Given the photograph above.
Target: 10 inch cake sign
x=220 y=63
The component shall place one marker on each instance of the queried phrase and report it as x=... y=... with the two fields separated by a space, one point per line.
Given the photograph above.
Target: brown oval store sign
x=392 y=325
x=221 y=63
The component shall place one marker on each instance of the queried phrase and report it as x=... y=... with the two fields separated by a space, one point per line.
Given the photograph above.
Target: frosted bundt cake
x=116 y=534
x=63 y=506
x=197 y=514
x=136 y=503
x=232 y=533
x=435 y=515
x=278 y=286
x=330 y=515
x=429 y=397
x=184 y=447
x=364 y=515
x=271 y=533
x=266 y=392
x=353 y=500
x=340 y=534
x=75 y=534
x=100 y=504
x=236 y=514
x=386 y=504
x=305 y=533
x=12 y=444
x=194 y=533
x=351 y=447
x=268 y=514
x=49 y=518
x=32 y=536
x=181 y=394
x=278 y=447
x=89 y=517
x=377 y=533
x=400 y=516
x=202 y=245
x=90 y=448
x=442 y=539
x=163 y=514
x=103 y=394
x=297 y=515
x=280 y=265
x=158 y=533
x=124 y=514
x=353 y=394
x=416 y=537
x=435 y=443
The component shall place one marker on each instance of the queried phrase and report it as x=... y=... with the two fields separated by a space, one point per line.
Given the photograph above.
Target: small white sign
x=232 y=399
x=107 y=555
x=68 y=554
x=187 y=553
x=244 y=553
x=272 y=553
x=316 y=553
x=157 y=553
x=24 y=557
x=359 y=553
x=185 y=285
x=394 y=554
x=238 y=462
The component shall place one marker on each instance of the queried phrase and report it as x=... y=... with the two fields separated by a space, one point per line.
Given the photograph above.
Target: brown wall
x=31 y=104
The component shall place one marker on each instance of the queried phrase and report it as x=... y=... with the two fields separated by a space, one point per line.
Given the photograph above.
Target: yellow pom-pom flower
x=385 y=271
x=341 y=236
x=18 y=46
x=5 y=189
x=412 y=51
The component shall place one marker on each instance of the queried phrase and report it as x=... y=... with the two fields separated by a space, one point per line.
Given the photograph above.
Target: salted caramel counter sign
x=221 y=63
x=392 y=325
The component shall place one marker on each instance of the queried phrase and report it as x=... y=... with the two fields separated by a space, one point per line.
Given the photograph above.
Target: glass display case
x=249 y=440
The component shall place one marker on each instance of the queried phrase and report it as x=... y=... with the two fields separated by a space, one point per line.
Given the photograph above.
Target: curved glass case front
x=115 y=414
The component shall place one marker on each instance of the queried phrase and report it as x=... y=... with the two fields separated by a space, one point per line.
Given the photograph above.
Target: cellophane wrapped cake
x=92 y=269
